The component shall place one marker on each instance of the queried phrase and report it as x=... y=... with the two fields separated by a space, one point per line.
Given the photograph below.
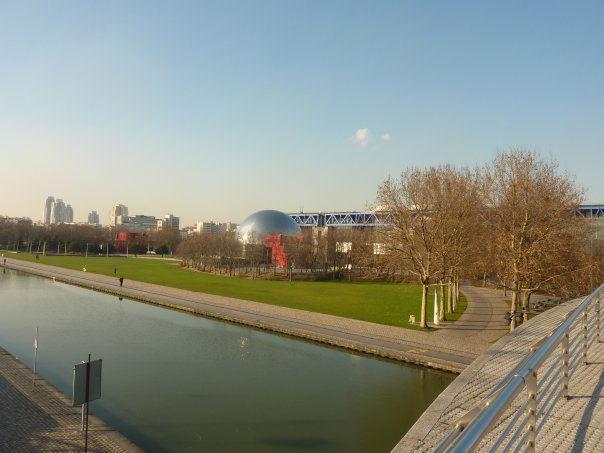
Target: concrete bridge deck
x=576 y=424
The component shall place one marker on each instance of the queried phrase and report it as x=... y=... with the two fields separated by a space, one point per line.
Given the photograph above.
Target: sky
x=213 y=110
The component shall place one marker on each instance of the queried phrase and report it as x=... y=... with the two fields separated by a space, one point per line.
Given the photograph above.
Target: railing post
x=565 y=361
x=531 y=388
x=584 y=353
x=598 y=318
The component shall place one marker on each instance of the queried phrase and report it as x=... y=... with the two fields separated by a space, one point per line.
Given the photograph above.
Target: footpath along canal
x=173 y=381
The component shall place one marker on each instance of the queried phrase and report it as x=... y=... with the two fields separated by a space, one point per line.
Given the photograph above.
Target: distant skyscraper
x=117 y=211
x=93 y=218
x=57 y=211
x=68 y=214
x=47 y=208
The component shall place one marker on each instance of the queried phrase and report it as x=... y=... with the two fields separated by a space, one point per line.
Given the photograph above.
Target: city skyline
x=214 y=111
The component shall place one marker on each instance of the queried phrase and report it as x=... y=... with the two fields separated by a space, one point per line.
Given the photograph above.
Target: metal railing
x=505 y=420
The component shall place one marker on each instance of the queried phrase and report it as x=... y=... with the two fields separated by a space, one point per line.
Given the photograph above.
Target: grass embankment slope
x=379 y=302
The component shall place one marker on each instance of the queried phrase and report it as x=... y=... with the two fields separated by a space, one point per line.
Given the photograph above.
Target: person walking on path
x=121 y=281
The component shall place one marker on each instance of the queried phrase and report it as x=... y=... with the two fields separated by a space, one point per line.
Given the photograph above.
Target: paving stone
x=39 y=418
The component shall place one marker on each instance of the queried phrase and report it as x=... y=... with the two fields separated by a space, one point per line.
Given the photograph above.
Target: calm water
x=179 y=382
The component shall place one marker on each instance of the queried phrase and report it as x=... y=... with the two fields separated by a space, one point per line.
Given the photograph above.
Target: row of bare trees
x=23 y=235
x=512 y=221
x=211 y=252
x=65 y=238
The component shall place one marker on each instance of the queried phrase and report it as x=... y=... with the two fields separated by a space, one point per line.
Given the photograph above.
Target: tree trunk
x=513 y=304
x=526 y=305
x=441 y=305
x=449 y=297
x=454 y=297
x=422 y=321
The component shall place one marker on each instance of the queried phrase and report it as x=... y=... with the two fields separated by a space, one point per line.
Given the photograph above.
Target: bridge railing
x=512 y=415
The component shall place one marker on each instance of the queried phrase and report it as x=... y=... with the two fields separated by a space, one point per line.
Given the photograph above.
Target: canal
x=173 y=381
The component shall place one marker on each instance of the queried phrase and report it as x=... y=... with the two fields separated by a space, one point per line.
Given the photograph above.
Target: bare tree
x=531 y=206
x=458 y=204
x=417 y=226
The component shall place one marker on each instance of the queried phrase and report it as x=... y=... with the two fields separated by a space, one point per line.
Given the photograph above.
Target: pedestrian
x=121 y=281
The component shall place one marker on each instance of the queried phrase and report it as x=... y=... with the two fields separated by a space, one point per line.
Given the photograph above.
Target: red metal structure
x=276 y=244
x=123 y=238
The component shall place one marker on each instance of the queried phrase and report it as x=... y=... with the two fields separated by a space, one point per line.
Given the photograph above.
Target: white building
x=136 y=223
x=215 y=227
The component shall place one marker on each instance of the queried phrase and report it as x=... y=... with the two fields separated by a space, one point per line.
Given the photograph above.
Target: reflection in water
x=298 y=443
x=178 y=382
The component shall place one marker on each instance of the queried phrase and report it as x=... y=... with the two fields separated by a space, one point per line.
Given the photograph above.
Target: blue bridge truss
x=592 y=211
x=341 y=219
x=384 y=218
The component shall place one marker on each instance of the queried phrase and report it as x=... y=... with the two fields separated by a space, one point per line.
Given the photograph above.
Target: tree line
x=512 y=222
x=76 y=239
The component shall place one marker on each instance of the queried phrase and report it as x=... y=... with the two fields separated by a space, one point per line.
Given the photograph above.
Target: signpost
x=35 y=354
x=86 y=388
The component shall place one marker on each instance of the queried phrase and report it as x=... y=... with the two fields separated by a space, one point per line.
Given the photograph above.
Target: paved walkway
x=452 y=348
x=40 y=418
x=574 y=425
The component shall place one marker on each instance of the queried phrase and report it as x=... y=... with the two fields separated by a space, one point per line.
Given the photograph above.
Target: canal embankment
x=38 y=417
x=451 y=348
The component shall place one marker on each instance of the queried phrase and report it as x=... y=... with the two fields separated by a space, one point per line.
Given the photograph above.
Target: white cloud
x=361 y=137
x=386 y=137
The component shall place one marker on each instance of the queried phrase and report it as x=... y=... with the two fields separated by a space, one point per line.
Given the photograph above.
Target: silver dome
x=261 y=224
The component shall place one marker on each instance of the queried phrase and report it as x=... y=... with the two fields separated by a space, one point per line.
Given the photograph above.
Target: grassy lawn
x=383 y=303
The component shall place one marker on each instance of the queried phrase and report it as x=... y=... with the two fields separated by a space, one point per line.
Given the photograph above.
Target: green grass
x=382 y=303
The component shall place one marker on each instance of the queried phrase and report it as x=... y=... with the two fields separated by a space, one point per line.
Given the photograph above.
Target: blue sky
x=212 y=110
